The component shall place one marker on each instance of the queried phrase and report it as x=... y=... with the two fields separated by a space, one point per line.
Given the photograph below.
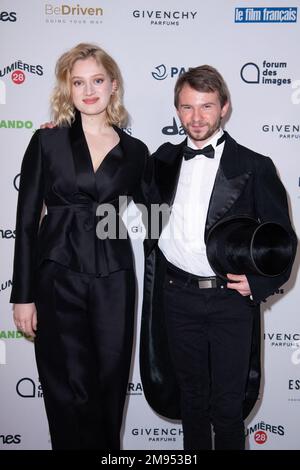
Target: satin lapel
x=168 y=164
x=82 y=161
x=231 y=178
x=128 y=145
x=119 y=169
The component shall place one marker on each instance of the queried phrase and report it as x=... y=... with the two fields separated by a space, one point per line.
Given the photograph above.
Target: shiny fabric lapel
x=118 y=172
x=168 y=164
x=230 y=181
x=128 y=145
x=82 y=160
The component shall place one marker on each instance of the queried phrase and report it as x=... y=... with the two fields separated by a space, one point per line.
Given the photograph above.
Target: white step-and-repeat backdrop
x=255 y=46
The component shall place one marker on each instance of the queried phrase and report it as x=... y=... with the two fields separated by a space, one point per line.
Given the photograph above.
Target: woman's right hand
x=25 y=318
x=47 y=125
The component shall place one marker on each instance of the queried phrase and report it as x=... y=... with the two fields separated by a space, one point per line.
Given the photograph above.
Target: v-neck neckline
x=87 y=178
x=105 y=157
x=103 y=160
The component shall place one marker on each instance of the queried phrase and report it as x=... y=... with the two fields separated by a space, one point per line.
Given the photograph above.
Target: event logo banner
x=17 y=71
x=10 y=439
x=280 y=339
x=260 y=432
x=158 y=434
x=161 y=72
x=73 y=13
x=8 y=16
x=173 y=129
x=134 y=388
x=3 y=286
x=28 y=388
x=6 y=234
x=13 y=124
x=266 y=15
x=10 y=334
x=165 y=17
x=16 y=181
x=282 y=130
x=268 y=73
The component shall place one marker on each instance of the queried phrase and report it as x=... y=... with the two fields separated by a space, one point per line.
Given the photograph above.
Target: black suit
x=57 y=170
x=83 y=286
x=246 y=184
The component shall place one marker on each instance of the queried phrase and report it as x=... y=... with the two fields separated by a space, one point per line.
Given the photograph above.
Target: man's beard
x=210 y=132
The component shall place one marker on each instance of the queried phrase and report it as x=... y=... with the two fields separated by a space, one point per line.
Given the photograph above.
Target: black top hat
x=242 y=245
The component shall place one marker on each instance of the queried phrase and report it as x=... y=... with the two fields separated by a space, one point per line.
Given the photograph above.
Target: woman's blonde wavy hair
x=63 y=110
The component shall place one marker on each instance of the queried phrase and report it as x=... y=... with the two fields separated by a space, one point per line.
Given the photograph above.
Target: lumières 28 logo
x=261 y=432
x=18 y=72
x=18 y=77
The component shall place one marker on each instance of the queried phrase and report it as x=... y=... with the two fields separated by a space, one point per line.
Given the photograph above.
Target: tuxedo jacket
x=57 y=171
x=246 y=184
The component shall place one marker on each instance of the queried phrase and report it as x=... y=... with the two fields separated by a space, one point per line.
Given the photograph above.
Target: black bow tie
x=207 y=151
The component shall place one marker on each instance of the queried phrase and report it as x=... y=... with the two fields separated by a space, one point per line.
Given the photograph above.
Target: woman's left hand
x=25 y=318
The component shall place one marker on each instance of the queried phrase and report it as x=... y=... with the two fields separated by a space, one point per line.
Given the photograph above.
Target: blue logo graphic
x=161 y=73
x=266 y=15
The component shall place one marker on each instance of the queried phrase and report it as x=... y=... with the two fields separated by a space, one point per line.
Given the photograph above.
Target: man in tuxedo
x=212 y=325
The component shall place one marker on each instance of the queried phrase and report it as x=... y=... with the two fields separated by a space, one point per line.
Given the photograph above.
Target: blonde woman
x=73 y=290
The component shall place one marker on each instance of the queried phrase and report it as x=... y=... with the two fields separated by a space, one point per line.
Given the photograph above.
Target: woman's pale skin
x=91 y=91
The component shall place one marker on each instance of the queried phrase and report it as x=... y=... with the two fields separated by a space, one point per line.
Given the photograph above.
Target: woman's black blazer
x=57 y=171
